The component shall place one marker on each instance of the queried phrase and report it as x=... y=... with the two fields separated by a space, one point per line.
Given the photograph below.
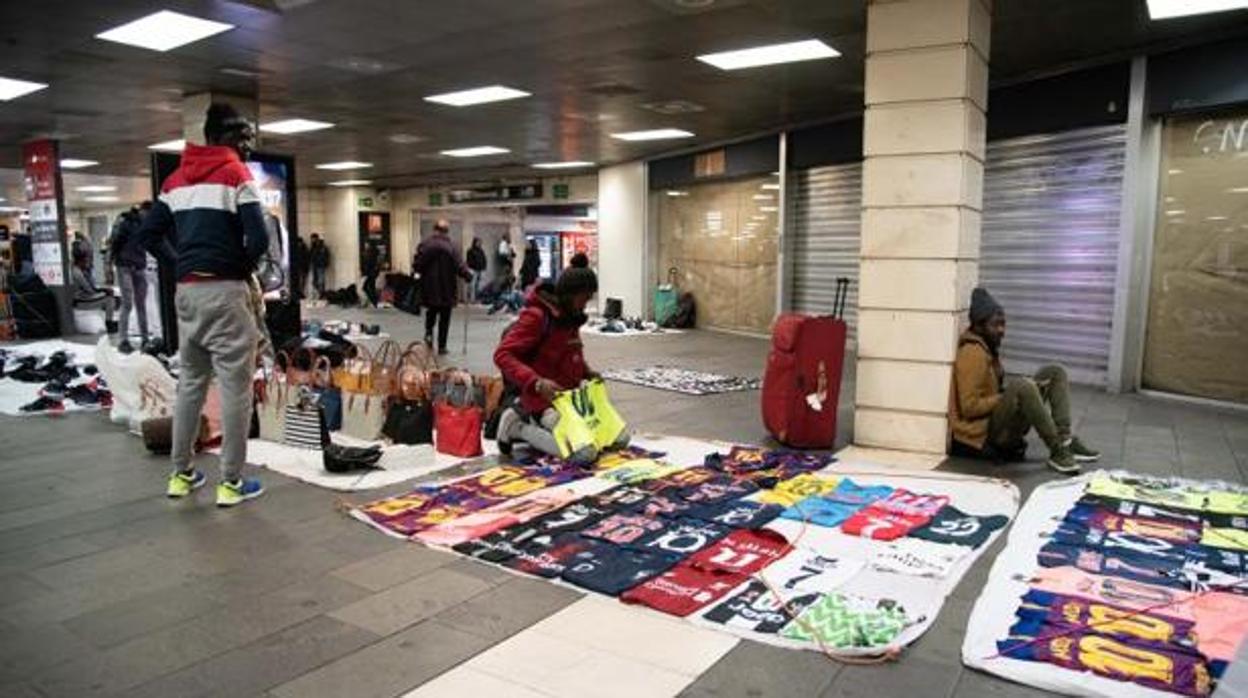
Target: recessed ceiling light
x=1215 y=218
x=344 y=165
x=477 y=95
x=101 y=199
x=673 y=192
x=351 y=183
x=657 y=134
x=178 y=145
x=93 y=188
x=771 y=187
x=792 y=52
x=294 y=126
x=763 y=197
x=758 y=218
x=1174 y=171
x=566 y=165
x=405 y=138
x=1165 y=9
x=74 y=164
x=476 y=151
x=164 y=31
x=11 y=88
x=1176 y=212
x=1238 y=190
x=768 y=209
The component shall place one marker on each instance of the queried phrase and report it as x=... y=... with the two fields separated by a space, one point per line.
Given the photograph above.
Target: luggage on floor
x=665 y=298
x=802 y=384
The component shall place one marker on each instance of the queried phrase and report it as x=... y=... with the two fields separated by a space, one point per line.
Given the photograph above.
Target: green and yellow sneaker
x=234 y=493
x=182 y=484
x=1081 y=452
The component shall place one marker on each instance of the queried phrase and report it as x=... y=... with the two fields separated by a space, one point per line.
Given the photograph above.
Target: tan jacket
x=976 y=390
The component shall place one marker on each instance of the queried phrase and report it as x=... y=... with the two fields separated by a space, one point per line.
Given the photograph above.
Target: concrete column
x=926 y=96
x=622 y=219
x=195 y=107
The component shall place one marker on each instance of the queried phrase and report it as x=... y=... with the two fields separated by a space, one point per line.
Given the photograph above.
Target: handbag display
x=355 y=375
x=305 y=422
x=344 y=459
x=409 y=422
x=385 y=367
x=363 y=415
x=271 y=398
x=458 y=420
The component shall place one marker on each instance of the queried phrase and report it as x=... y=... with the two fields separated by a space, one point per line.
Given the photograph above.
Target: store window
x=721 y=240
x=1197 y=336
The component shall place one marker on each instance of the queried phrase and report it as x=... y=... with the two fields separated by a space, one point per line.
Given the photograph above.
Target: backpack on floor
x=802 y=384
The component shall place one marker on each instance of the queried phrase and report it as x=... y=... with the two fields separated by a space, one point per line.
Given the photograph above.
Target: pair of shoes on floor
x=1067 y=457
x=229 y=494
x=44 y=404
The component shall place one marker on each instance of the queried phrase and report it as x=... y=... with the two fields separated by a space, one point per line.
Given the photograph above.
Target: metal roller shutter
x=1049 y=248
x=826 y=225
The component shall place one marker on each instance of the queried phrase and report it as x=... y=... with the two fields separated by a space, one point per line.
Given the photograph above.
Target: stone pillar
x=923 y=143
x=195 y=107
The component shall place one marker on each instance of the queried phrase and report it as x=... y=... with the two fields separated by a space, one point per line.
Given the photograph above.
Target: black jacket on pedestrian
x=438 y=262
x=125 y=246
x=476 y=258
x=530 y=268
x=319 y=255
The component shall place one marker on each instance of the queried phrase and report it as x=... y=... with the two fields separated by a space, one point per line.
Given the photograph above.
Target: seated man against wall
x=87 y=295
x=990 y=415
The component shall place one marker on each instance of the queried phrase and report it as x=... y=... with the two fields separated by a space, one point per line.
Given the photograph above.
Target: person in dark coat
x=438 y=262
x=318 y=257
x=372 y=267
x=126 y=253
x=531 y=266
x=477 y=263
x=300 y=262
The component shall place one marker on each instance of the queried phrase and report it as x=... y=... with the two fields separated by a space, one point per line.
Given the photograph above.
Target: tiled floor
x=110 y=589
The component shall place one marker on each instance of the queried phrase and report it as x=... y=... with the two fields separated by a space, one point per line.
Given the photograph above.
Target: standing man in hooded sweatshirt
x=990 y=414
x=214 y=206
x=438 y=262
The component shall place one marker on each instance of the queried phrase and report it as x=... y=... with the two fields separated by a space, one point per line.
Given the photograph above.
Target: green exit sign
x=366 y=202
x=435 y=198
x=560 y=191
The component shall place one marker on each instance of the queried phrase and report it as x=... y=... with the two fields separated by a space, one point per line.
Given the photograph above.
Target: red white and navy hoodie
x=212 y=207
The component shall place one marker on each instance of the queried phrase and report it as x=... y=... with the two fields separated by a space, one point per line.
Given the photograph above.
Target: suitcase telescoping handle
x=842 y=292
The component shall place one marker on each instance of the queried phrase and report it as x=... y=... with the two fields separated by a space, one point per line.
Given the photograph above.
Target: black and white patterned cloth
x=682 y=380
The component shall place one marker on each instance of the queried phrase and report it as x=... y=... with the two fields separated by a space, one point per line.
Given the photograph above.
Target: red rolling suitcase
x=802 y=385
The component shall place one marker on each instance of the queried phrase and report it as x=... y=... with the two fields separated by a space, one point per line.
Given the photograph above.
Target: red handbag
x=458 y=422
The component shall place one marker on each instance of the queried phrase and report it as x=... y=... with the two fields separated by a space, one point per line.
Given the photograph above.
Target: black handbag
x=344 y=459
x=409 y=422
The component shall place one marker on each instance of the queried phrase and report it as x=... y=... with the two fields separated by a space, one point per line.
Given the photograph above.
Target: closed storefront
x=826 y=227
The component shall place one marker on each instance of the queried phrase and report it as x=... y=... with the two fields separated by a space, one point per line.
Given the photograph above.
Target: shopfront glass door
x=1197 y=336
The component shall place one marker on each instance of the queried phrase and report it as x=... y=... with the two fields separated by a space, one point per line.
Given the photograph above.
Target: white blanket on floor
x=398 y=463
x=14 y=394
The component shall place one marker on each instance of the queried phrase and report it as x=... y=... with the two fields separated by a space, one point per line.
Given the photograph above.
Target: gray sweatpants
x=218 y=336
x=133 y=284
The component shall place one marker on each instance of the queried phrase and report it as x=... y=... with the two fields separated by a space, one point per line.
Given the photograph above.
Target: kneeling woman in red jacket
x=542 y=354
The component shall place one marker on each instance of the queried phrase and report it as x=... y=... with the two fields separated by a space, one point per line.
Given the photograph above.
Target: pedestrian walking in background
x=439 y=263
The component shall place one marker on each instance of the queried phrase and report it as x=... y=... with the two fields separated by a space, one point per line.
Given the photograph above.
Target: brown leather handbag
x=158 y=434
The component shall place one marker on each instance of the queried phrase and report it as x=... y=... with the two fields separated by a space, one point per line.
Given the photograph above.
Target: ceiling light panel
x=475 y=152
x=344 y=165
x=477 y=95
x=1166 y=9
x=95 y=188
x=164 y=31
x=177 y=145
x=289 y=126
x=793 y=52
x=567 y=165
x=101 y=199
x=75 y=164
x=657 y=134
x=11 y=88
x=351 y=183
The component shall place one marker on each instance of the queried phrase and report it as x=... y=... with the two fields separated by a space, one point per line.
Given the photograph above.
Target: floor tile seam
x=376 y=638
x=467 y=664
x=433 y=617
x=551 y=636
x=506 y=637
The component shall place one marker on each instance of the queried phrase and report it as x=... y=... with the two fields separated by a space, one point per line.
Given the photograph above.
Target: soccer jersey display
x=918 y=558
x=1080 y=650
x=757 y=608
x=744 y=552
x=718 y=489
x=736 y=513
x=1151 y=628
x=611 y=569
x=1098 y=519
x=842 y=621
x=548 y=557
x=895 y=516
x=623 y=529
x=682 y=536
x=953 y=526
x=794 y=490
x=833 y=508
x=683 y=589
x=806 y=571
